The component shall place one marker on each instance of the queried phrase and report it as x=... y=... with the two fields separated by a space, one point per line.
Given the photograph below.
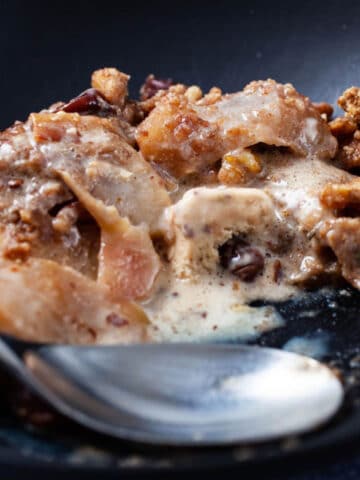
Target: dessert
x=164 y=218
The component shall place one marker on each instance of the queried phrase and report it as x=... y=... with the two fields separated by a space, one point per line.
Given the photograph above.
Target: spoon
x=179 y=394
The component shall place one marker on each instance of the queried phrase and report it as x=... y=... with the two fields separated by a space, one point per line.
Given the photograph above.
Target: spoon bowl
x=182 y=394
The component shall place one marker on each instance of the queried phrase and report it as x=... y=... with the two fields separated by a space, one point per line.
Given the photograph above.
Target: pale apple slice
x=128 y=262
x=47 y=302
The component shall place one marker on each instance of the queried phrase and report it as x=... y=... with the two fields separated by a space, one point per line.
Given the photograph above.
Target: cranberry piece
x=152 y=85
x=89 y=102
x=115 y=320
x=241 y=259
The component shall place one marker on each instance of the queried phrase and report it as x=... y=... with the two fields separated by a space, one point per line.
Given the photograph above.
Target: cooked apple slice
x=128 y=263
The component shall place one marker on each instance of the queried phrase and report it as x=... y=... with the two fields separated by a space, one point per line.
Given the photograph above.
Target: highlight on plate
x=163 y=218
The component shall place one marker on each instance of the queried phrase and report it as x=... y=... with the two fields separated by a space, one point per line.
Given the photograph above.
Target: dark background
x=49 y=49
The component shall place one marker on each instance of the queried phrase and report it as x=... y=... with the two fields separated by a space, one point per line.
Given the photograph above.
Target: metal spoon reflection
x=180 y=394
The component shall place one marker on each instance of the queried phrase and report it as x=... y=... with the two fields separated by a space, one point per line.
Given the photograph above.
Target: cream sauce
x=195 y=299
x=212 y=308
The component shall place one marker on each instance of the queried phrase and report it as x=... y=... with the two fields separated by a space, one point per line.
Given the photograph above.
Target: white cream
x=209 y=309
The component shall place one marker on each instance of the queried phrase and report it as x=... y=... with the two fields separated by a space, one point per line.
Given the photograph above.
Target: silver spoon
x=180 y=394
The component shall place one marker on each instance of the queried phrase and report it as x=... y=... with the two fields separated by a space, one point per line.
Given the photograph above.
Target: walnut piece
x=349 y=154
x=324 y=109
x=350 y=103
x=339 y=196
x=237 y=166
x=342 y=127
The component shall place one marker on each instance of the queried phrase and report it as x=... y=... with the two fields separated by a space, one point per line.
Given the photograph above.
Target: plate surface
x=323 y=324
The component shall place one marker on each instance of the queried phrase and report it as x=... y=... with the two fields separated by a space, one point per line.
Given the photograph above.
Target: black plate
x=48 y=52
x=326 y=322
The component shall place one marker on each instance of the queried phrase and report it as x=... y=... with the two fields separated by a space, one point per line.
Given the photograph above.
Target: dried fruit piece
x=241 y=259
x=89 y=102
x=152 y=85
x=343 y=236
x=15 y=182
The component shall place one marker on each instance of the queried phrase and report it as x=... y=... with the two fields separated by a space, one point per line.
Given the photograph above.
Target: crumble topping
x=160 y=219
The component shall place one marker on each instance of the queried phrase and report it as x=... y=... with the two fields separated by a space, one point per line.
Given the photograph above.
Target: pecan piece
x=15 y=183
x=342 y=127
x=324 y=109
x=339 y=196
x=237 y=166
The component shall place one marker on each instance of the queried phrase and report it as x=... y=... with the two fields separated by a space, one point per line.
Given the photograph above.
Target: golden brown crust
x=186 y=133
x=105 y=200
x=175 y=137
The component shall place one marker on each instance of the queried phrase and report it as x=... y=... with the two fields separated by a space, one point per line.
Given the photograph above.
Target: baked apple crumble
x=164 y=218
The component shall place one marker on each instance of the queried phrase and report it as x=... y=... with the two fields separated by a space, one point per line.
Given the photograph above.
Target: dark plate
x=48 y=52
x=326 y=323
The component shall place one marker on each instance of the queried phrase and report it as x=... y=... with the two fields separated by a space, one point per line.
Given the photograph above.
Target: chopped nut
x=13 y=215
x=26 y=215
x=213 y=96
x=132 y=112
x=350 y=103
x=112 y=85
x=17 y=251
x=193 y=94
x=342 y=126
x=237 y=165
x=338 y=196
x=66 y=217
x=343 y=237
x=324 y=109
x=56 y=107
x=52 y=188
x=349 y=154
x=231 y=174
